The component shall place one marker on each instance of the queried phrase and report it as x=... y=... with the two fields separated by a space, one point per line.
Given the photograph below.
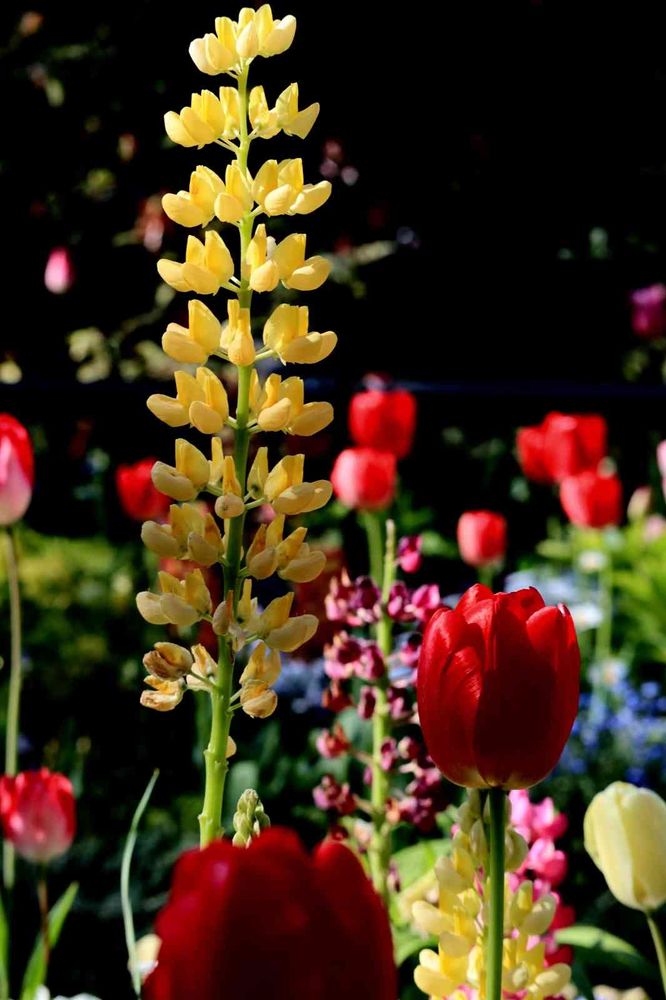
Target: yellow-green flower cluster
x=234 y=199
x=459 y=921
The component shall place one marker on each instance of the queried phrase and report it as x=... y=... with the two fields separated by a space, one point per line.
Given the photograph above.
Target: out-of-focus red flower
x=138 y=497
x=384 y=419
x=498 y=682
x=17 y=469
x=364 y=478
x=59 y=272
x=38 y=814
x=482 y=537
x=592 y=500
x=563 y=444
x=271 y=921
x=648 y=311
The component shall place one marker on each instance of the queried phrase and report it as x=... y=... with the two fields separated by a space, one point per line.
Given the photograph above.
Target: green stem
x=215 y=754
x=380 y=848
x=14 y=696
x=215 y=758
x=43 y=899
x=495 y=940
x=659 y=947
x=374 y=529
x=487 y=576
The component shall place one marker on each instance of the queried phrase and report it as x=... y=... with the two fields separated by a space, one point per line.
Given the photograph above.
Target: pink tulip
x=59 y=272
x=16 y=470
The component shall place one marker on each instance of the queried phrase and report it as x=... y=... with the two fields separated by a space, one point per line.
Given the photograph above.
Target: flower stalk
x=495 y=940
x=659 y=946
x=14 y=696
x=379 y=850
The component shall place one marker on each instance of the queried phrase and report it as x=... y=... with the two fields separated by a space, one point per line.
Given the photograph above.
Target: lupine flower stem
x=14 y=697
x=495 y=940
x=215 y=755
x=660 y=948
x=379 y=851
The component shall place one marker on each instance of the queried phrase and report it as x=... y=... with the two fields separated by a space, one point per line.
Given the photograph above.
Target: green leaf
x=415 y=861
x=406 y=942
x=35 y=972
x=597 y=947
x=128 y=916
x=581 y=980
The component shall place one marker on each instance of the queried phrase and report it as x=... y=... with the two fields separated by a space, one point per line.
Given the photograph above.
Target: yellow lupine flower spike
x=195 y=207
x=286 y=333
x=207 y=118
x=207 y=266
x=193 y=344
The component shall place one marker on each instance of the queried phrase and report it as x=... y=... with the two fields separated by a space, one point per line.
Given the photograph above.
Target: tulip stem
x=14 y=695
x=215 y=755
x=495 y=939
x=43 y=900
x=660 y=948
x=379 y=851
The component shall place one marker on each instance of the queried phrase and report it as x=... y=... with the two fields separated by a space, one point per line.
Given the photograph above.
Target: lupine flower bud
x=194 y=207
x=168 y=661
x=208 y=118
x=286 y=333
x=249 y=819
x=164 y=696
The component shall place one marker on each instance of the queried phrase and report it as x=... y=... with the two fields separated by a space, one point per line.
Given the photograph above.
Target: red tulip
x=648 y=311
x=138 y=497
x=364 y=478
x=383 y=419
x=592 y=500
x=482 y=537
x=562 y=445
x=17 y=470
x=271 y=921
x=38 y=814
x=497 y=687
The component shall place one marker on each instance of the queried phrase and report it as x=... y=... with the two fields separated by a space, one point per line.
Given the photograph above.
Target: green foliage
x=35 y=972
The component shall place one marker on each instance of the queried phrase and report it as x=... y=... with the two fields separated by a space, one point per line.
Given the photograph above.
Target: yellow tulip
x=625 y=834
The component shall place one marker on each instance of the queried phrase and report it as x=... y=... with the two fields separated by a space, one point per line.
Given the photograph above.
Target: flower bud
x=228 y=506
x=168 y=661
x=625 y=833
x=164 y=697
x=158 y=539
x=293 y=633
